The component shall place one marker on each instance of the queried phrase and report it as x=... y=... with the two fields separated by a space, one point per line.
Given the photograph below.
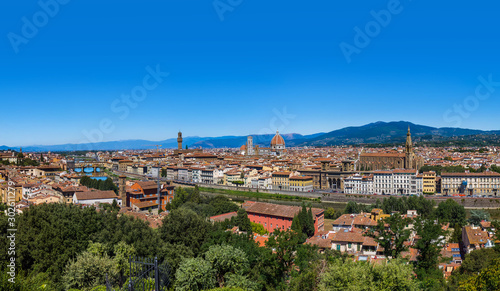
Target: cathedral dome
x=277 y=139
x=243 y=148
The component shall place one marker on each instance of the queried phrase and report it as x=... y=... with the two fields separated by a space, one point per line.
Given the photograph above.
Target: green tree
x=115 y=206
x=222 y=204
x=226 y=259
x=472 y=265
x=305 y=255
x=429 y=247
x=310 y=223
x=184 y=226
x=87 y=271
x=284 y=245
x=123 y=252
x=298 y=229
x=352 y=207
x=496 y=225
x=305 y=220
x=242 y=221
x=478 y=215
x=186 y=195
x=98 y=249
x=456 y=236
x=477 y=260
x=450 y=211
x=194 y=274
x=393 y=238
x=350 y=275
x=330 y=213
x=258 y=228
x=174 y=254
x=487 y=279
x=296 y=226
x=240 y=283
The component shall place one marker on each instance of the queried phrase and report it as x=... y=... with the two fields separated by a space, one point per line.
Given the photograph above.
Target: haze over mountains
x=373 y=133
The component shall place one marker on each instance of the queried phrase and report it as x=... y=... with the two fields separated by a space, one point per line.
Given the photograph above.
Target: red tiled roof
x=397 y=155
x=222 y=217
x=354 y=219
x=92 y=195
x=483 y=174
x=476 y=236
x=145 y=204
x=277 y=209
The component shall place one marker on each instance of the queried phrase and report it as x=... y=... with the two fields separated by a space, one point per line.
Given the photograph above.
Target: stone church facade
x=393 y=160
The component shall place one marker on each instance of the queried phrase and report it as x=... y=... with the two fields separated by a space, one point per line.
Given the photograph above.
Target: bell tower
x=408 y=151
x=179 y=141
x=250 y=150
x=122 y=190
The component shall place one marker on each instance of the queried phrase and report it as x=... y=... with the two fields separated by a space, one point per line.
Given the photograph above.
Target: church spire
x=408 y=141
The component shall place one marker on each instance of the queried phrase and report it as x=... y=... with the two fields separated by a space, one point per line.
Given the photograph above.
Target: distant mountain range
x=373 y=133
x=391 y=132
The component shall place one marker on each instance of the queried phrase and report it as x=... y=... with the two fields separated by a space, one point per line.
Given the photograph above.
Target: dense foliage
x=99 y=184
x=202 y=205
x=392 y=238
x=303 y=223
x=49 y=236
x=424 y=207
x=66 y=246
x=349 y=275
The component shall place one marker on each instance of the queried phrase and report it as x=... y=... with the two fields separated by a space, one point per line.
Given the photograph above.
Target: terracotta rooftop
x=484 y=174
x=475 y=235
x=277 y=209
x=355 y=219
x=396 y=155
x=222 y=217
x=91 y=195
x=145 y=204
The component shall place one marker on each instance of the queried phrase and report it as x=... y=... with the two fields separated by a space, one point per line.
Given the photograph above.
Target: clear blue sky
x=230 y=76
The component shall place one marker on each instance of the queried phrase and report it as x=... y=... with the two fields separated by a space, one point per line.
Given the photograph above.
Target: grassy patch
x=494 y=213
x=259 y=195
x=328 y=224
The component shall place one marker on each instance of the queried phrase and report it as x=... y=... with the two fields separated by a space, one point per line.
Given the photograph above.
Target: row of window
x=349 y=246
x=473 y=179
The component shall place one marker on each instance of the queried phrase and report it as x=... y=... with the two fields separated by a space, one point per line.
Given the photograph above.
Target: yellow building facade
x=429 y=182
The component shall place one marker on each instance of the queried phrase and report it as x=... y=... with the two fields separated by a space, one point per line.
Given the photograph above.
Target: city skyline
x=250 y=145
x=239 y=73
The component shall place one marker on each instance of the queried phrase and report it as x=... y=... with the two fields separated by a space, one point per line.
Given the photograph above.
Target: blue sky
x=230 y=75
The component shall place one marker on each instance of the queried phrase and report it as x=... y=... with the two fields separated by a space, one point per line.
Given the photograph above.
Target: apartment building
x=281 y=180
x=429 y=182
x=358 y=184
x=301 y=183
x=486 y=183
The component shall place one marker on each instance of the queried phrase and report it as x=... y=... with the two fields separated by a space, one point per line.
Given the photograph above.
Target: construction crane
x=158 y=192
x=154 y=145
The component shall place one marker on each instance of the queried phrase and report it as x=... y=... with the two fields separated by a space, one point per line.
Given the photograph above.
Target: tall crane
x=158 y=176
x=154 y=145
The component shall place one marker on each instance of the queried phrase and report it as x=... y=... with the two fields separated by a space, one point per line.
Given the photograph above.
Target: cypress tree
x=243 y=221
x=310 y=223
x=296 y=224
